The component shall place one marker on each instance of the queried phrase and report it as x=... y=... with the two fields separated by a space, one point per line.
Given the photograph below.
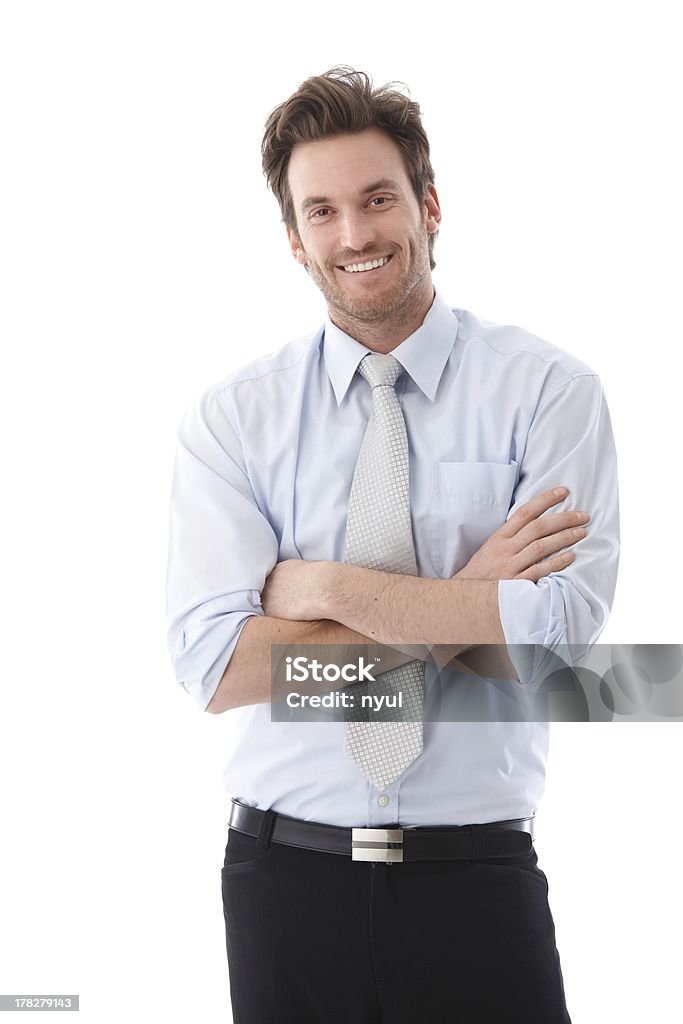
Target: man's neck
x=385 y=335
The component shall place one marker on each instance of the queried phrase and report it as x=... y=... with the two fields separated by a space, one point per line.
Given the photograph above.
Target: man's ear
x=295 y=245
x=432 y=209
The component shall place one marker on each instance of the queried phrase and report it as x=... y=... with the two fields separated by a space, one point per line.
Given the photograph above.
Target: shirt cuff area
x=534 y=625
x=203 y=647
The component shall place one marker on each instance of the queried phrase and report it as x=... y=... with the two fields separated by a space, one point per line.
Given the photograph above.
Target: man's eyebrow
x=381 y=183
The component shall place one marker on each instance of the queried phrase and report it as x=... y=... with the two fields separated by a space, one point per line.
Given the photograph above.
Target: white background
x=142 y=258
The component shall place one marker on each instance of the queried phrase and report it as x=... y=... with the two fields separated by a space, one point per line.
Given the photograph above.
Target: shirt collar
x=423 y=355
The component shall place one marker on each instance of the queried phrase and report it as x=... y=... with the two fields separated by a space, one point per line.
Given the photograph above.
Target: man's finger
x=540 y=549
x=532 y=509
x=541 y=569
x=546 y=526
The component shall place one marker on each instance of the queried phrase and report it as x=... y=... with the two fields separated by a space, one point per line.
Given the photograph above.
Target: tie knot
x=380 y=368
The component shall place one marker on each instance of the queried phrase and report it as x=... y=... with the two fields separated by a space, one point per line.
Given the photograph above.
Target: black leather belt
x=390 y=845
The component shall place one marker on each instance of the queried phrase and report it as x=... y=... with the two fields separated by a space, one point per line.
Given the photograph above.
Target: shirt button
x=383 y=801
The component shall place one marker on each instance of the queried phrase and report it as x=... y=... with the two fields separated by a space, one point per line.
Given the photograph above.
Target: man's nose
x=356 y=233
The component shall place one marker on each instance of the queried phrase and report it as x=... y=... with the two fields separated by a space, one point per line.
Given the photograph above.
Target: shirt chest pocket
x=470 y=500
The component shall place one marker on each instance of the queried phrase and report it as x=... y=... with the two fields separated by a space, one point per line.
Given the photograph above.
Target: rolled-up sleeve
x=221 y=548
x=569 y=443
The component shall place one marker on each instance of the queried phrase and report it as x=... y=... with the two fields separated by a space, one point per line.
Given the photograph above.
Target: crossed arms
x=340 y=603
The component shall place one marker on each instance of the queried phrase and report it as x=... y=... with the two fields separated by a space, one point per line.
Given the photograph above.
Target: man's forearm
x=249 y=674
x=391 y=608
x=458 y=619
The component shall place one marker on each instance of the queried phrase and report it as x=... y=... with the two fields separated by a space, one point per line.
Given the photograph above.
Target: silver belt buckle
x=383 y=845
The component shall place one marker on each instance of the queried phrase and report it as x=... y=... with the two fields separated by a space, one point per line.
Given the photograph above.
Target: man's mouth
x=368 y=267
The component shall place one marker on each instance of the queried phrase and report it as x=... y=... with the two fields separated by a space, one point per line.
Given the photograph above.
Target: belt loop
x=476 y=843
x=266 y=830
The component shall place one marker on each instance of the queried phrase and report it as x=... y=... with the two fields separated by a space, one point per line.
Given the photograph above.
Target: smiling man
x=412 y=476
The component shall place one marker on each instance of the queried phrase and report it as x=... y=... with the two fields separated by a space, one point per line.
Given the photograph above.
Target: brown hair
x=343 y=100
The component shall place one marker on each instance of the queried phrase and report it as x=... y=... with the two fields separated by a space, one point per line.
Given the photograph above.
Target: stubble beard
x=392 y=301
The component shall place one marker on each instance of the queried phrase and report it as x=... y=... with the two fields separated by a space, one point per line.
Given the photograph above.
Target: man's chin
x=364 y=307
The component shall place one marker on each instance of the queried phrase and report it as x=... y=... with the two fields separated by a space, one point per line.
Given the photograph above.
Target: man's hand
x=294 y=590
x=525 y=547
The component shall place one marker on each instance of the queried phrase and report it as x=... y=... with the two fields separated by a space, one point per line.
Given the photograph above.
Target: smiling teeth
x=357 y=268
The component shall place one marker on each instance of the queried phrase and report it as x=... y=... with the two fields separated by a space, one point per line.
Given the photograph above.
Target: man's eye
x=323 y=209
x=380 y=199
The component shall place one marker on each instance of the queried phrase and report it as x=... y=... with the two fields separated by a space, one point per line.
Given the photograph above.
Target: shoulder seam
x=529 y=352
x=566 y=384
x=266 y=373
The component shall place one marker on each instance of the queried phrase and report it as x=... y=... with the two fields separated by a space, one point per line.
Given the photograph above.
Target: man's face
x=354 y=203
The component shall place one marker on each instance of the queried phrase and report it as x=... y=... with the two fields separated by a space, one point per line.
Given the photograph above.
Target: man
x=408 y=474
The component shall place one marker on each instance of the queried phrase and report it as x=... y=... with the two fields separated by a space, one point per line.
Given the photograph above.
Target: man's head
x=350 y=168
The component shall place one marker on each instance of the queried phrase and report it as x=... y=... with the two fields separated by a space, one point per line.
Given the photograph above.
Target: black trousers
x=316 y=938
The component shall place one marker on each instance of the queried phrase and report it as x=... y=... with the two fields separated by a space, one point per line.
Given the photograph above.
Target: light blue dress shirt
x=263 y=471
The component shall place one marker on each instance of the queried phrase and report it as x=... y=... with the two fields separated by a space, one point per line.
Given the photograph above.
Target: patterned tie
x=379 y=536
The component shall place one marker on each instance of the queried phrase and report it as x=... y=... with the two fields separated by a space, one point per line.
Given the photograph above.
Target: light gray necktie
x=379 y=536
